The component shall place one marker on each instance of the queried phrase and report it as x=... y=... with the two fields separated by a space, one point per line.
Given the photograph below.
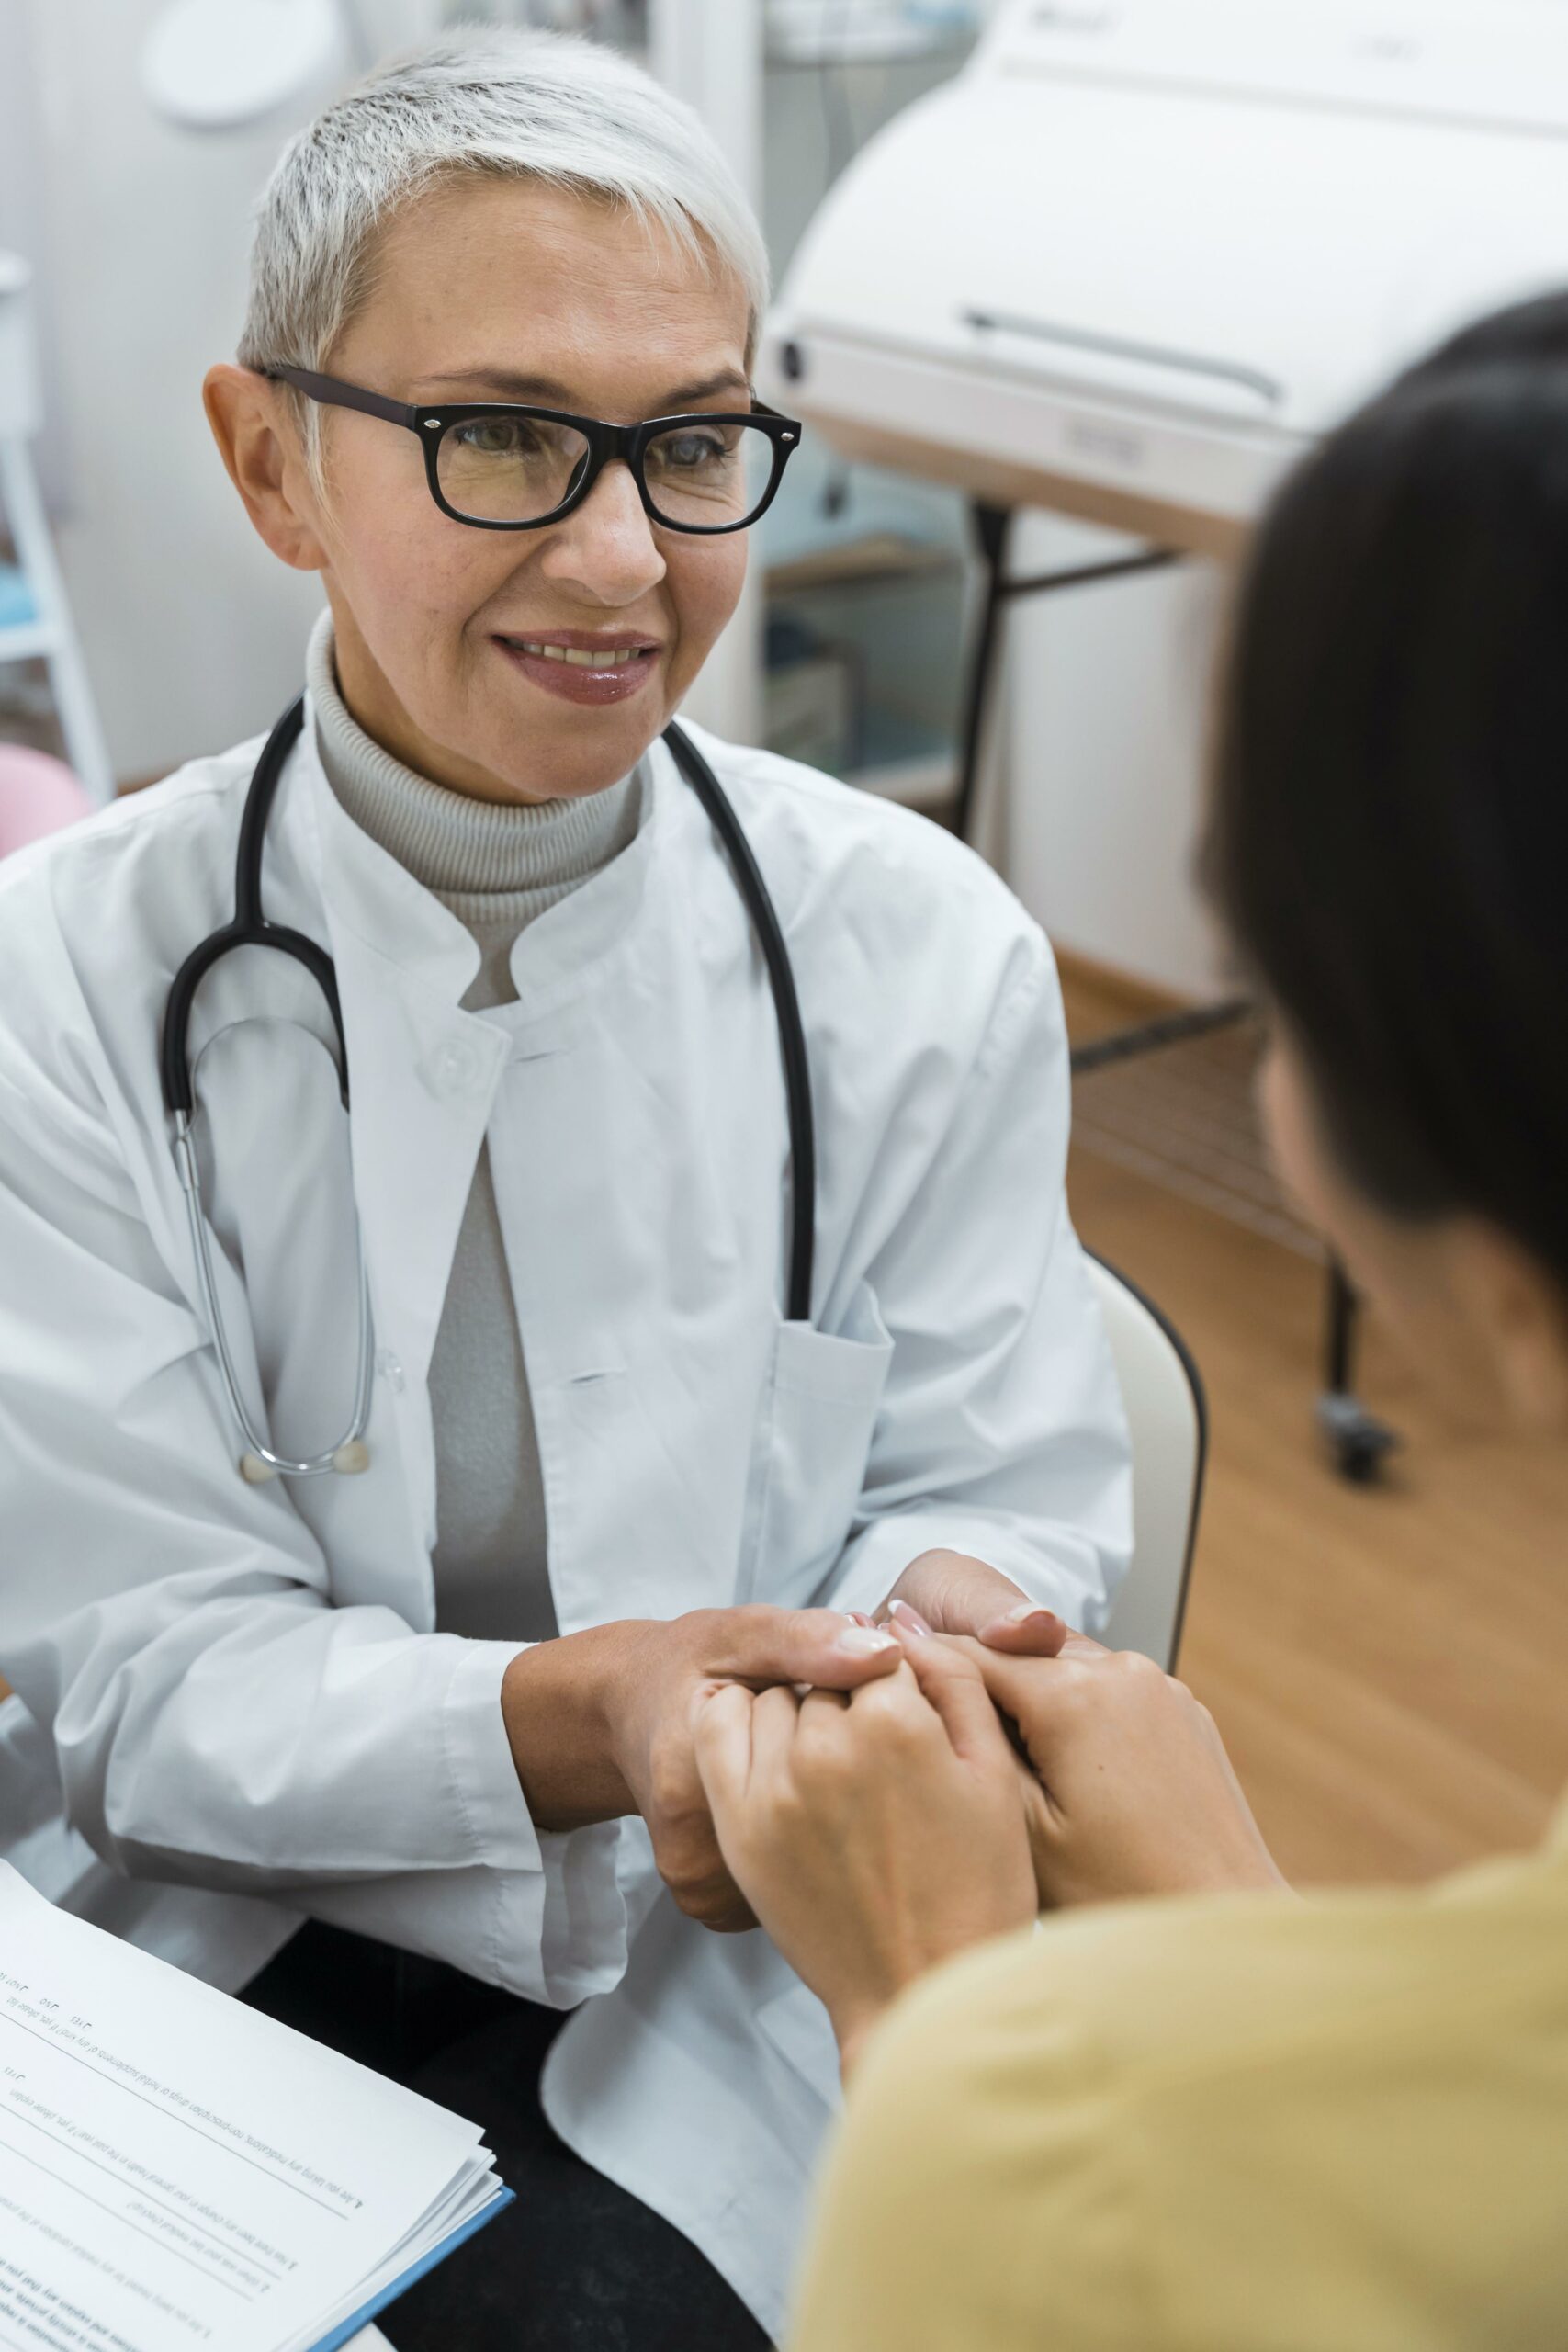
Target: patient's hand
x=1135 y=1794
x=953 y=1592
x=873 y=1835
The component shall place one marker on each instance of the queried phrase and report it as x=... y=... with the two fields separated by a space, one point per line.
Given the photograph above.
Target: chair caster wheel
x=1358 y=1443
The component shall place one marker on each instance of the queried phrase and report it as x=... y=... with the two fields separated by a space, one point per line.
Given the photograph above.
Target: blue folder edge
x=350 y=2328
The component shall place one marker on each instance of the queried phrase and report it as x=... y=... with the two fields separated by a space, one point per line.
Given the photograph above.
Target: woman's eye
x=496 y=436
x=688 y=451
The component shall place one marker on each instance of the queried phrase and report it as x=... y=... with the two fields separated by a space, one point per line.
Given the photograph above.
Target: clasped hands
x=879 y=1798
x=601 y=1722
x=877 y=1832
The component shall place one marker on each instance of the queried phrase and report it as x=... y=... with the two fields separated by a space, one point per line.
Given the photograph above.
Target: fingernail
x=908 y=1616
x=858 y=1617
x=1027 y=1611
x=865 y=1640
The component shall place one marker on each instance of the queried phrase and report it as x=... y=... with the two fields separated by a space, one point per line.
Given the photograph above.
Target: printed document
x=176 y=2170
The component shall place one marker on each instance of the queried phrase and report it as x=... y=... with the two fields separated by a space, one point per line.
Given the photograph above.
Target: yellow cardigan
x=1237 y=2125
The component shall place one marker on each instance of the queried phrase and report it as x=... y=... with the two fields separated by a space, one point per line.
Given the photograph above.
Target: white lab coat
x=240 y=1689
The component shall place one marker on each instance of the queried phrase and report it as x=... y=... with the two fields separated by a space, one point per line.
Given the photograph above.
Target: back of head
x=1389 y=832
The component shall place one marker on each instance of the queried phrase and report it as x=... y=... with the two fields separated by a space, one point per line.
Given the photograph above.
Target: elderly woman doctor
x=439 y=1697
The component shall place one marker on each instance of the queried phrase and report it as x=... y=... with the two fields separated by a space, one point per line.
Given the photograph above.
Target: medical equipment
x=1139 y=255
x=251 y=928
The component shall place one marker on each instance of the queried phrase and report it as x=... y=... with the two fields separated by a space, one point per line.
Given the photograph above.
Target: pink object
x=38 y=796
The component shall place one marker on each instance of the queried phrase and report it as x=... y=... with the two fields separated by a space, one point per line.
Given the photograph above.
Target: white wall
x=193 y=632
x=1105 y=705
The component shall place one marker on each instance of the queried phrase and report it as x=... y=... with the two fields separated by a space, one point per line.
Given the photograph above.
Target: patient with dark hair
x=1186 y=2109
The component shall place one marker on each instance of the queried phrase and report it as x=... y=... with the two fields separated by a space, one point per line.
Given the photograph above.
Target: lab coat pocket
x=813 y=1443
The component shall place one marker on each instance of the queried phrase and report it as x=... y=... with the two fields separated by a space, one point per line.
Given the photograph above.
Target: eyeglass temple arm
x=333 y=394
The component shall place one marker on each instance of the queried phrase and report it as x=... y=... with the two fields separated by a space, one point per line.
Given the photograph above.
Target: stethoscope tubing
x=258 y=1462
x=758 y=905
x=251 y=928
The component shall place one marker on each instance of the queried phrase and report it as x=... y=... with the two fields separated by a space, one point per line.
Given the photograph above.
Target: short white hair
x=547 y=106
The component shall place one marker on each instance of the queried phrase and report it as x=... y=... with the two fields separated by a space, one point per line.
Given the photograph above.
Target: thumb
x=818 y=1647
x=1027 y=1630
x=955 y=1685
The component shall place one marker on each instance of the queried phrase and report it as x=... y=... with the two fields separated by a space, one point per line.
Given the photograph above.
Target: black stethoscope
x=250 y=928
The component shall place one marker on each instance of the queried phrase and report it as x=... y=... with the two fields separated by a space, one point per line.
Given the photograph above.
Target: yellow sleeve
x=977 y=2198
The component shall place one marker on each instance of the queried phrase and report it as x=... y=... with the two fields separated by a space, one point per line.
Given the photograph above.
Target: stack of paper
x=176 y=2170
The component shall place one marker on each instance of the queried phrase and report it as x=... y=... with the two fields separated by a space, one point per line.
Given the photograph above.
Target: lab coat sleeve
x=215 y=1720
x=1001 y=1432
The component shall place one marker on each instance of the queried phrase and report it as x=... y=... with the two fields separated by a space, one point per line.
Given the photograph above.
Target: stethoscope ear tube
x=248 y=927
x=786 y=1009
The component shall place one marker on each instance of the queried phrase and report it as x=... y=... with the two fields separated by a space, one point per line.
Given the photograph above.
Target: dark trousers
x=575 y=2265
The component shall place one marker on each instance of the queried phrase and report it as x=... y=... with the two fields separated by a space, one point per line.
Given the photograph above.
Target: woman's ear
x=257 y=441
x=1518 y=1316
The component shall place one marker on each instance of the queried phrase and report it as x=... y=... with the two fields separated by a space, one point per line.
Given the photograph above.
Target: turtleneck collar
x=489 y=862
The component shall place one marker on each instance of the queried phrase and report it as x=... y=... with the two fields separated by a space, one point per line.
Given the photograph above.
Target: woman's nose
x=607 y=549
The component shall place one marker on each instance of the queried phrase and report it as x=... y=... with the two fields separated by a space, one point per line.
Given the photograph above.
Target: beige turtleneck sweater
x=496 y=868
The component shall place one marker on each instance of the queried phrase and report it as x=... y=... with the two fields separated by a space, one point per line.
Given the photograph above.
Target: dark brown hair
x=1389 y=838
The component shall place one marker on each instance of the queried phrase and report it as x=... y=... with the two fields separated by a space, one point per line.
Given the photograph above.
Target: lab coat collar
x=565 y=951
x=366 y=893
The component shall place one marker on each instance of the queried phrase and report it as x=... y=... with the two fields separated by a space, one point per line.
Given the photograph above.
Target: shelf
x=28 y=642
x=879 y=559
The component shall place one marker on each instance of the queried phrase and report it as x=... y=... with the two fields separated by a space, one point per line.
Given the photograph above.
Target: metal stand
x=1360 y=1442
x=993 y=526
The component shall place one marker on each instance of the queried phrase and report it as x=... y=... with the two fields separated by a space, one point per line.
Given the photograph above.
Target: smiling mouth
x=579 y=657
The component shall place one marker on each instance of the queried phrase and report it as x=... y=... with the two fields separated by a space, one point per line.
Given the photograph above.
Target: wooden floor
x=1389 y=1666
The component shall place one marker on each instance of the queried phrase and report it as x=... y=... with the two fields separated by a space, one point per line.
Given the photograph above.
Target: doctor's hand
x=600 y=1724
x=951 y=1592
x=1133 y=1795
x=874 y=1835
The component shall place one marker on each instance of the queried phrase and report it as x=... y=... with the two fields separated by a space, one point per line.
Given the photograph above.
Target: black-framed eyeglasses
x=502 y=467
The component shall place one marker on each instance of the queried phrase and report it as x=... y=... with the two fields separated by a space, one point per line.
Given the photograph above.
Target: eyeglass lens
x=700 y=475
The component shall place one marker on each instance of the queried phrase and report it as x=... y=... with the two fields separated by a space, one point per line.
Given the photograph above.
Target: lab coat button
x=456 y=1066
x=390 y=1370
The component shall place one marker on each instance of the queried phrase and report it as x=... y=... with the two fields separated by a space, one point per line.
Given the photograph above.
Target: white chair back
x=1167 y=1418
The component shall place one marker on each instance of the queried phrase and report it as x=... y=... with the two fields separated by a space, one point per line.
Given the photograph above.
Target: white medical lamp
x=218 y=64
